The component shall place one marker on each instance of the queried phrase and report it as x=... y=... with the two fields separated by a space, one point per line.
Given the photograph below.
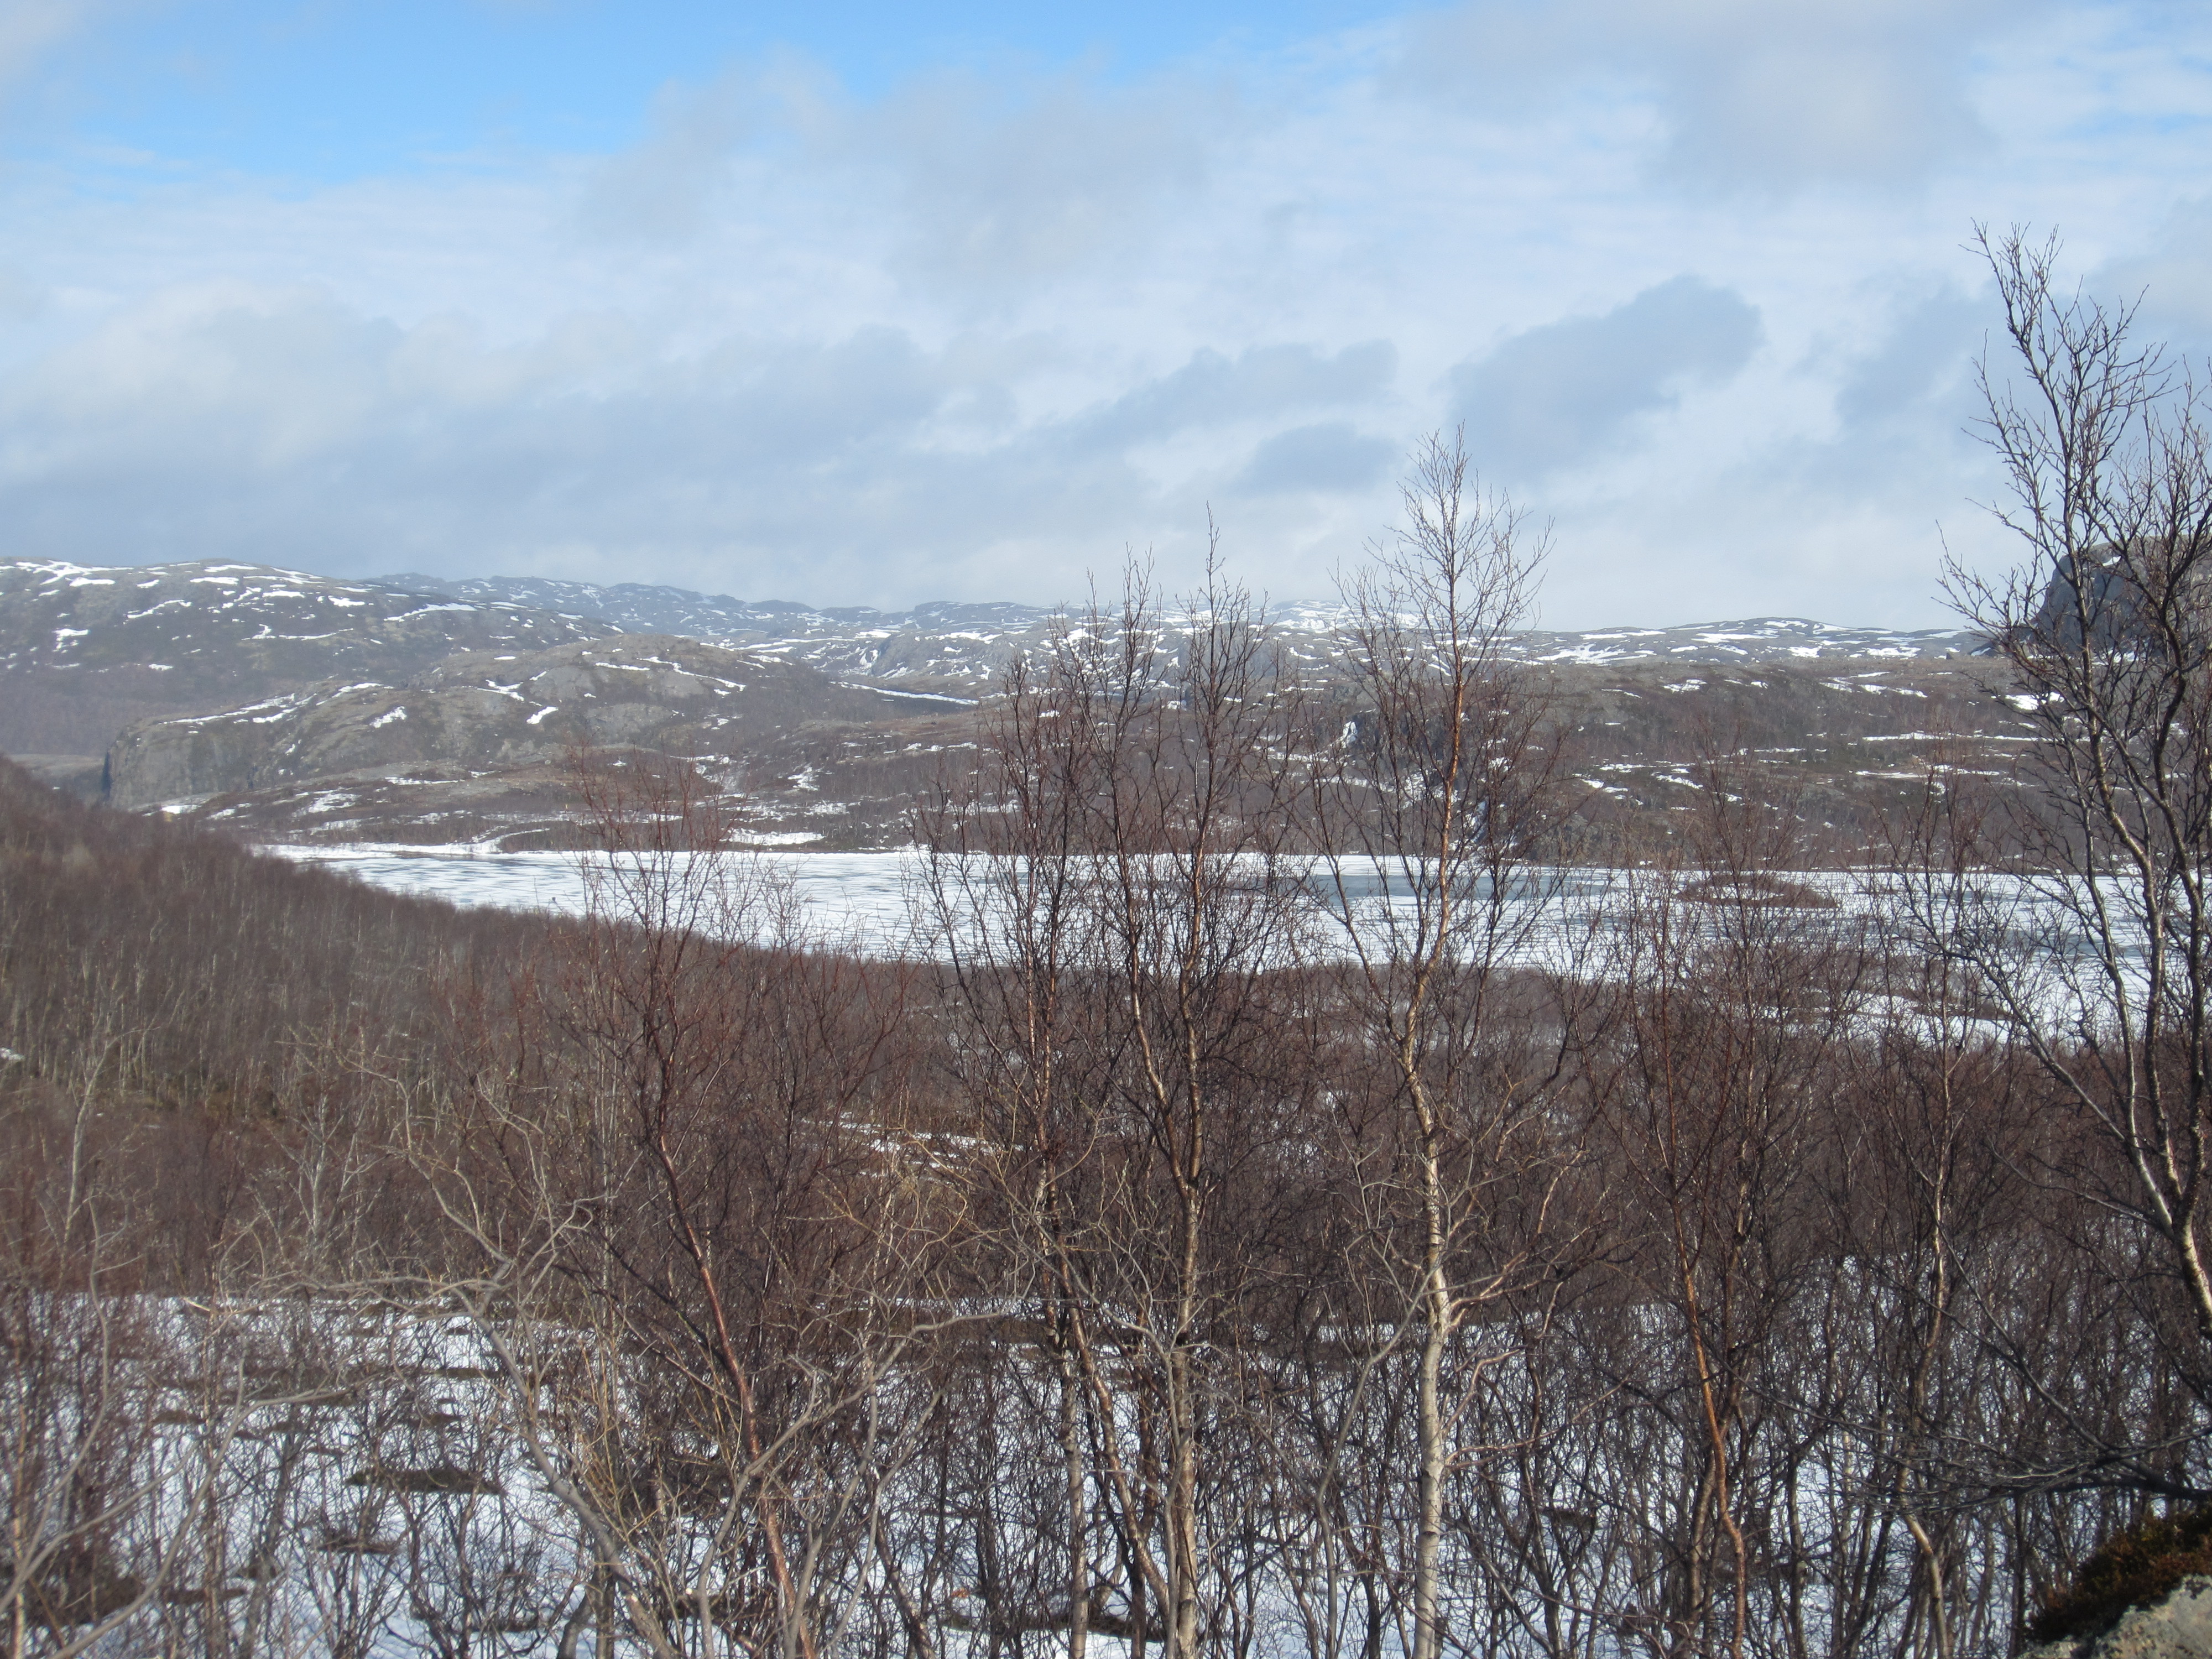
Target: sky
x=872 y=304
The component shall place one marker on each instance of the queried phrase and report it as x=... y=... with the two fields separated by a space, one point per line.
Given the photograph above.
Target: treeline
x=1288 y=1211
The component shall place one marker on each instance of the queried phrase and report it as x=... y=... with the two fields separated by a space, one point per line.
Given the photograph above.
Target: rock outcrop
x=2178 y=1627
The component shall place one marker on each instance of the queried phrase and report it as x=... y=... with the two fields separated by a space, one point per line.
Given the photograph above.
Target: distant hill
x=951 y=646
x=86 y=650
x=943 y=646
x=478 y=745
x=288 y=706
x=1760 y=640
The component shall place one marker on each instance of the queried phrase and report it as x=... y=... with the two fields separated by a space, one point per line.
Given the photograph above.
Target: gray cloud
x=2173 y=278
x=21 y=299
x=1928 y=351
x=661 y=189
x=1261 y=382
x=1752 y=94
x=975 y=191
x=29 y=29
x=995 y=192
x=282 y=425
x=1561 y=394
x=1330 y=458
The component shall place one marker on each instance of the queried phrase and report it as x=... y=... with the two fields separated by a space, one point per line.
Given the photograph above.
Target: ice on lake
x=858 y=896
x=875 y=901
x=1566 y=920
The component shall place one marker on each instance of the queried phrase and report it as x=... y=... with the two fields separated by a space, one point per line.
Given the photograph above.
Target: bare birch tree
x=1432 y=811
x=2102 y=953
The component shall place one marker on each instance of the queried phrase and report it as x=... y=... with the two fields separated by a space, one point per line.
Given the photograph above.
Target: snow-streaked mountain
x=949 y=646
x=482 y=715
x=55 y=614
x=86 y=649
x=206 y=678
x=944 y=644
x=1759 y=639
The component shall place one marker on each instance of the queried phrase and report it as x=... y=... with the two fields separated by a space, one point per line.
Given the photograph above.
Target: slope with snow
x=86 y=649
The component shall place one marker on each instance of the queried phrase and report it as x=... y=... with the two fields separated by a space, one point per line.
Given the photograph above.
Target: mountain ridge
x=285 y=706
x=86 y=650
x=917 y=643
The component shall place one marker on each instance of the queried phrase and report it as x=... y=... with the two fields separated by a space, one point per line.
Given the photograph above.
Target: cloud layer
x=1690 y=279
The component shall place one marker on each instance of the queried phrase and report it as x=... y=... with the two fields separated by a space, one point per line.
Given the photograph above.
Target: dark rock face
x=2178 y=1627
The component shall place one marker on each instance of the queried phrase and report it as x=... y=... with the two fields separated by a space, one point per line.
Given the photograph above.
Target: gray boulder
x=2178 y=1627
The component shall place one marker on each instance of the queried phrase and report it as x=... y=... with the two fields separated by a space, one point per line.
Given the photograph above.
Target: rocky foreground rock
x=2178 y=1627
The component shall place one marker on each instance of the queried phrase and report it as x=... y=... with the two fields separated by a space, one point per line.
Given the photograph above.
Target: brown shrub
x=2131 y=1569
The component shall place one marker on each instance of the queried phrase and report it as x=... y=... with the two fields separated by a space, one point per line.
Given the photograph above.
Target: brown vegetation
x=2135 y=1568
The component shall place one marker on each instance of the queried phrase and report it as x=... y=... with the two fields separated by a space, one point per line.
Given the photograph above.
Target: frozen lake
x=1566 y=920
x=871 y=901
x=847 y=896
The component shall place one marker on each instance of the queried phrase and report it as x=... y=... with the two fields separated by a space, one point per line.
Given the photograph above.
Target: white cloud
x=1751 y=93
x=975 y=337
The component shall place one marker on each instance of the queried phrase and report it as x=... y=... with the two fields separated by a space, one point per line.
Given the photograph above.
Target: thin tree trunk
x=1078 y=1509
x=1435 y=1451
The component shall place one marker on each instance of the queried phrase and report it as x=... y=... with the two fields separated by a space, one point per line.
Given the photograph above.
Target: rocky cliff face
x=2178 y=1627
